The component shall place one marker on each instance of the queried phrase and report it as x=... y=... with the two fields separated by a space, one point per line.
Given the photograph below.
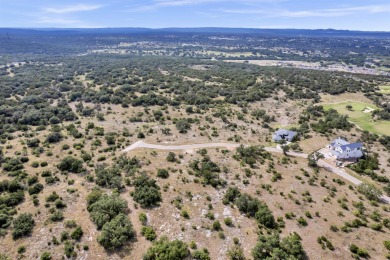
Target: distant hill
x=206 y=30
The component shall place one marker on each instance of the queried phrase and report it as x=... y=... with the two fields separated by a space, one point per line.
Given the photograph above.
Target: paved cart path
x=321 y=163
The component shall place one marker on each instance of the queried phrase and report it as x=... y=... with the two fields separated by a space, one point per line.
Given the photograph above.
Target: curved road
x=321 y=163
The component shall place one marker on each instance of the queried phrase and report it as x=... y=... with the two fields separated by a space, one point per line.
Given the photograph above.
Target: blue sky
x=371 y=15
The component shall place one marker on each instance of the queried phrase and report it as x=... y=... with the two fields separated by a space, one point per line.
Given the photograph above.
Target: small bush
x=162 y=173
x=228 y=221
x=77 y=233
x=46 y=256
x=148 y=233
x=217 y=226
x=23 y=225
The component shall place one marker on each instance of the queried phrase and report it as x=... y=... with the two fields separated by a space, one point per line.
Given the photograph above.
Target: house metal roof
x=286 y=132
x=351 y=146
x=339 y=142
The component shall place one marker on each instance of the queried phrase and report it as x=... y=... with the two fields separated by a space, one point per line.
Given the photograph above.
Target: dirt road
x=321 y=163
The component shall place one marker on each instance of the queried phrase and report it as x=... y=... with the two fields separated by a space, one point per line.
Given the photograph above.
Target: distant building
x=283 y=134
x=341 y=149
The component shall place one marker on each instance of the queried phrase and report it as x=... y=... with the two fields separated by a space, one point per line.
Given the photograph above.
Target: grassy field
x=360 y=118
x=384 y=89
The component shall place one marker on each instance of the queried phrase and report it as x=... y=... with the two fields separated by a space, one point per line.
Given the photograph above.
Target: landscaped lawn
x=384 y=89
x=357 y=116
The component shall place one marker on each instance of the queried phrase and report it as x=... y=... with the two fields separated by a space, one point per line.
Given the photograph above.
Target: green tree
x=71 y=164
x=265 y=217
x=116 y=232
x=146 y=191
x=285 y=149
x=182 y=125
x=314 y=158
x=109 y=177
x=272 y=247
x=106 y=208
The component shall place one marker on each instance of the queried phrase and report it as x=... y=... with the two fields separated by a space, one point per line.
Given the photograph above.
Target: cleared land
x=361 y=115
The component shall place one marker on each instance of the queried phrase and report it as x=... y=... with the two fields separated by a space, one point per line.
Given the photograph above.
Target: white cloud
x=157 y=4
x=49 y=20
x=71 y=8
x=316 y=13
x=63 y=22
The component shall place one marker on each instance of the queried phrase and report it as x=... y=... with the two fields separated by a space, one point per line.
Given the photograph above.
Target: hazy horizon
x=263 y=14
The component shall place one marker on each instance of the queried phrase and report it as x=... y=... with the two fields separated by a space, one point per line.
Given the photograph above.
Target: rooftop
x=351 y=146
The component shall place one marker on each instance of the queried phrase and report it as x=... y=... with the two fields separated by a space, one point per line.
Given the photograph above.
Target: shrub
x=59 y=204
x=370 y=191
x=217 y=226
x=231 y=194
x=52 y=197
x=35 y=164
x=201 y=254
x=353 y=248
x=302 y=221
x=23 y=225
x=86 y=157
x=228 y=221
x=162 y=173
x=77 y=233
x=143 y=218
x=165 y=249
x=171 y=157
x=69 y=250
x=71 y=164
x=105 y=208
x=146 y=191
x=70 y=224
x=236 y=253
x=362 y=252
x=56 y=216
x=148 y=233
x=182 y=125
x=387 y=244
x=265 y=217
x=184 y=214
x=21 y=249
x=116 y=232
x=376 y=226
x=109 y=177
x=54 y=137
x=37 y=188
x=270 y=246
x=46 y=256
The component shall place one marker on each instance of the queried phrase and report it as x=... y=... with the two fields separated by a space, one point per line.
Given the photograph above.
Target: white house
x=341 y=149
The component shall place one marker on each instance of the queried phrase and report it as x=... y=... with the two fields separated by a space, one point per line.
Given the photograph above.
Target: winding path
x=321 y=163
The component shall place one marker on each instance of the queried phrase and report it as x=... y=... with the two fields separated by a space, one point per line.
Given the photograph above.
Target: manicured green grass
x=384 y=89
x=363 y=120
